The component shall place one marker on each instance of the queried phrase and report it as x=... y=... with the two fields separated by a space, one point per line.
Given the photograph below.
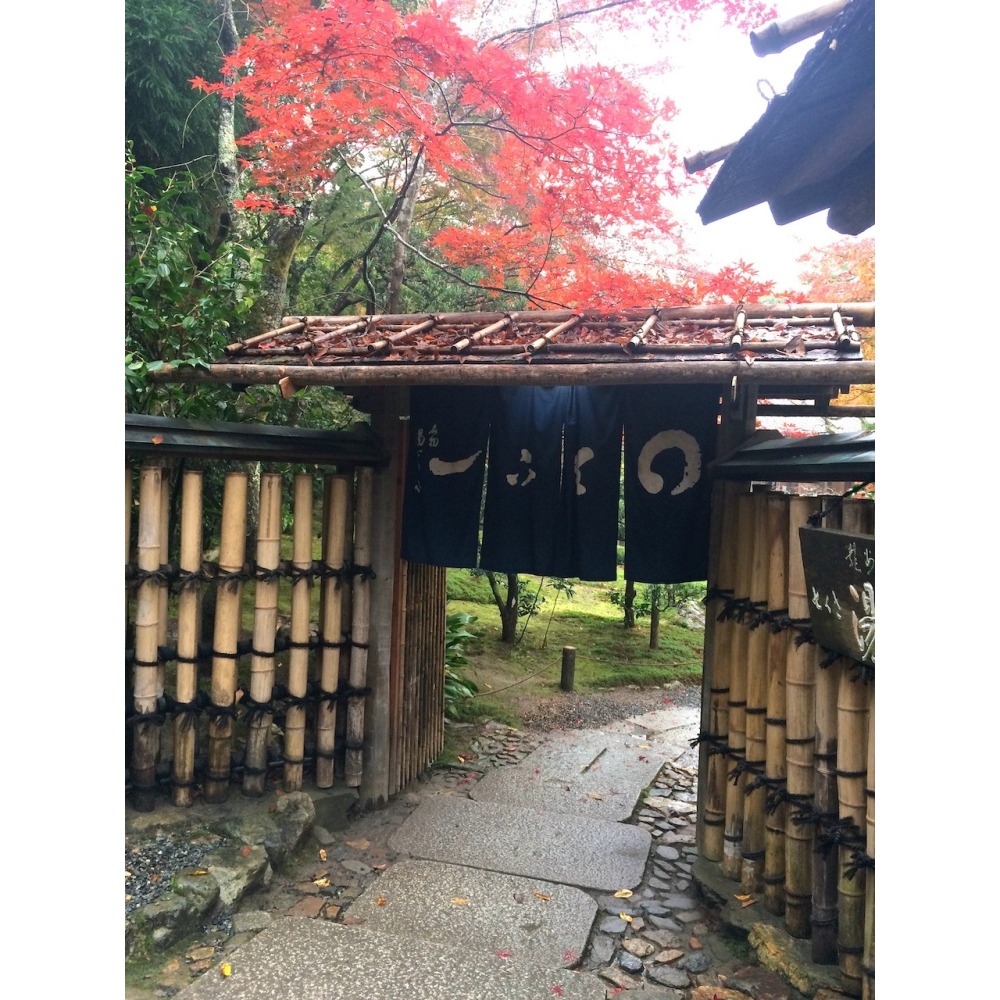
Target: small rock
x=667 y=975
x=613 y=925
x=629 y=962
x=697 y=961
x=668 y=955
x=638 y=947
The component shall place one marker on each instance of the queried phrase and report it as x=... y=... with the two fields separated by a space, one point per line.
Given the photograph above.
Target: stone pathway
x=496 y=903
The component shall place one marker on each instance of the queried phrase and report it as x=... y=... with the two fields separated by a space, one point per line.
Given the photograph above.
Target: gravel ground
x=592 y=711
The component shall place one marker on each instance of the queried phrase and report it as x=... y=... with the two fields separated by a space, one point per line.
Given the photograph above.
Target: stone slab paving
x=574 y=850
x=548 y=922
x=297 y=958
x=674 y=726
x=588 y=773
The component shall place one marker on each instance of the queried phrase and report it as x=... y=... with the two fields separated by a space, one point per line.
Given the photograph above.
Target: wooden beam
x=771 y=373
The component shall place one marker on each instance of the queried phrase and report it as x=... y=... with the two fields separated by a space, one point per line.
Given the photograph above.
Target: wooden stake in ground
x=265 y=626
x=146 y=740
x=360 y=629
x=752 y=851
x=330 y=629
x=777 y=652
x=800 y=741
x=225 y=640
x=188 y=630
x=298 y=658
x=732 y=859
x=714 y=819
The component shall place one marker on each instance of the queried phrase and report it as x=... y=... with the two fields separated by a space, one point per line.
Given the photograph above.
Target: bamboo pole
x=752 y=851
x=714 y=818
x=823 y=944
x=146 y=740
x=360 y=628
x=868 y=959
x=188 y=630
x=824 y=902
x=852 y=759
x=346 y=607
x=330 y=631
x=265 y=626
x=800 y=740
x=437 y=687
x=225 y=639
x=733 y=839
x=777 y=652
x=164 y=586
x=128 y=531
x=298 y=658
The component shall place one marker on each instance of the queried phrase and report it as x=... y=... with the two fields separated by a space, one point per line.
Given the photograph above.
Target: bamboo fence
x=798 y=722
x=244 y=670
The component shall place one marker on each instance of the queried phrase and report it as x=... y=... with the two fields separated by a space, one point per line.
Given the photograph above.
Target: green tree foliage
x=182 y=298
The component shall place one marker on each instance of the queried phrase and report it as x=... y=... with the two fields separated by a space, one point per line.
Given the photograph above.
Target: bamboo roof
x=808 y=345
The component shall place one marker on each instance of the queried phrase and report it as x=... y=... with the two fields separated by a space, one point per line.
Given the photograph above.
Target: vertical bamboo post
x=298 y=658
x=714 y=809
x=164 y=589
x=732 y=849
x=868 y=959
x=331 y=636
x=265 y=626
x=800 y=740
x=440 y=641
x=346 y=609
x=777 y=651
x=824 y=902
x=752 y=851
x=188 y=630
x=360 y=628
x=852 y=759
x=225 y=640
x=128 y=531
x=852 y=766
x=146 y=741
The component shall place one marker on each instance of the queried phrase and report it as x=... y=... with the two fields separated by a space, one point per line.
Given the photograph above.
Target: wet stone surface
x=659 y=938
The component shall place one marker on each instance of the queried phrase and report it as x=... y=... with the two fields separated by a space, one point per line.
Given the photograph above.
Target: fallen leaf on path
x=459 y=901
x=594 y=795
x=322 y=854
x=645 y=746
x=226 y=969
x=626 y=917
x=558 y=991
x=198 y=871
x=381 y=901
x=321 y=882
x=361 y=844
x=623 y=894
x=504 y=954
x=542 y=895
x=748 y=902
x=245 y=850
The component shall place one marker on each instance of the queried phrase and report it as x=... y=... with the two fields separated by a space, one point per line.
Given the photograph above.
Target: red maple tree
x=555 y=179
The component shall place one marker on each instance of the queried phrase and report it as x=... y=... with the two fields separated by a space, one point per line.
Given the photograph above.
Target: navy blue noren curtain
x=670 y=435
x=446 y=461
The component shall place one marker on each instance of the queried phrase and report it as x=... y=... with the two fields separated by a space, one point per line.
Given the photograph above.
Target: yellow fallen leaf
x=644 y=746
x=322 y=854
x=741 y=898
x=542 y=895
x=626 y=917
x=360 y=844
x=198 y=871
x=226 y=969
x=321 y=882
x=459 y=900
x=623 y=894
x=594 y=795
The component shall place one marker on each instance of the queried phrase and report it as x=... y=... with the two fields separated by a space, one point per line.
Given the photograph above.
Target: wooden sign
x=840 y=580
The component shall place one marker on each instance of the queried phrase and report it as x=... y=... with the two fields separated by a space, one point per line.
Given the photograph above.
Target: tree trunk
x=629 y=604
x=284 y=233
x=506 y=605
x=654 y=624
x=404 y=225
